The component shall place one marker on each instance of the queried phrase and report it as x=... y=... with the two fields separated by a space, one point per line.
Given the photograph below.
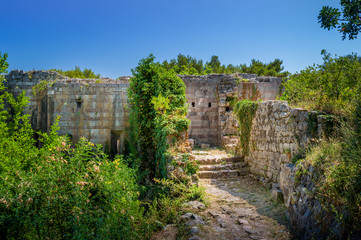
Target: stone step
x=208 y=161
x=229 y=166
x=221 y=174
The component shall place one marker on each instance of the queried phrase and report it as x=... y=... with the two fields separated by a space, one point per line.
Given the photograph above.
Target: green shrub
x=332 y=87
x=338 y=186
x=157 y=115
x=70 y=193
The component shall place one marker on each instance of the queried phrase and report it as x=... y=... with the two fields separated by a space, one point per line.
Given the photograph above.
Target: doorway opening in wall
x=116 y=143
x=78 y=103
x=193 y=104
x=209 y=105
x=228 y=109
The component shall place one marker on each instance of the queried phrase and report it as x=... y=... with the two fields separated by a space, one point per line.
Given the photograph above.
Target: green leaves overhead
x=347 y=19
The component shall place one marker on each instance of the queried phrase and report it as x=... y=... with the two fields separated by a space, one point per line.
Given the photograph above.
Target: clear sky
x=111 y=36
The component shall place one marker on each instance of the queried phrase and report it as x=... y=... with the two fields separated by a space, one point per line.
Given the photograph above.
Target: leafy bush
x=333 y=87
x=70 y=193
x=188 y=163
x=157 y=115
x=338 y=185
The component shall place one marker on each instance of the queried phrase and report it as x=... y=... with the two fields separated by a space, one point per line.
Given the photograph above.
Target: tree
x=157 y=115
x=347 y=19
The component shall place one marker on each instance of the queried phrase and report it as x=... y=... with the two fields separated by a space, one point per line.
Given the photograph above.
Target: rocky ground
x=238 y=208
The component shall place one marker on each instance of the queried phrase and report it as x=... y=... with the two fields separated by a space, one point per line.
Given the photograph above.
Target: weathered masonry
x=97 y=108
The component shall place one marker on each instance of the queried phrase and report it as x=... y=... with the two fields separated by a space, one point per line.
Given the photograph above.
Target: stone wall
x=97 y=108
x=210 y=101
x=277 y=133
x=202 y=97
x=91 y=108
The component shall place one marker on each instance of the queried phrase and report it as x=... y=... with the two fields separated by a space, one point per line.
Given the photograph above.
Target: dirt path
x=238 y=207
x=241 y=209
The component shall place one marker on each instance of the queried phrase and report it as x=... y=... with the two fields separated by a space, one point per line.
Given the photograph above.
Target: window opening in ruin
x=193 y=104
x=209 y=105
x=228 y=109
x=78 y=104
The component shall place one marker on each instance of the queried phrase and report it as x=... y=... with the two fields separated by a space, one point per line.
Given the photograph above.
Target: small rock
x=255 y=237
x=213 y=214
x=186 y=216
x=194 y=230
x=248 y=229
x=277 y=195
x=203 y=145
x=194 y=238
x=196 y=205
x=226 y=210
x=243 y=221
x=223 y=224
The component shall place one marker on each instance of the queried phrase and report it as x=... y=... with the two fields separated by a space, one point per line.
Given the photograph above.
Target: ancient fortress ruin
x=97 y=109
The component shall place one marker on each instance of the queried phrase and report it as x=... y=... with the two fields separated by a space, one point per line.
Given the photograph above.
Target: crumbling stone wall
x=91 y=108
x=211 y=99
x=277 y=133
x=202 y=97
x=242 y=86
x=97 y=108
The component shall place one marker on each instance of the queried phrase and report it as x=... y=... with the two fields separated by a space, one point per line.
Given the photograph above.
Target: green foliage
x=70 y=193
x=187 y=163
x=347 y=19
x=40 y=87
x=61 y=192
x=187 y=65
x=78 y=73
x=157 y=114
x=333 y=86
x=245 y=111
x=338 y=186
x=274 y=68
x=3 y=64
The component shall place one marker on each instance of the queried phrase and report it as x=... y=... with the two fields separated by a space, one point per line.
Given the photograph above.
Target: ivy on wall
x=245 y=111
x=157 y=115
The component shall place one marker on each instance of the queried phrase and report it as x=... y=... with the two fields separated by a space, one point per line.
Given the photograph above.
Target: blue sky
x=111 y=36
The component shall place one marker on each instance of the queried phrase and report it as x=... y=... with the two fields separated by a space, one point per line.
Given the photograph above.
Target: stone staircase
x=218 y=164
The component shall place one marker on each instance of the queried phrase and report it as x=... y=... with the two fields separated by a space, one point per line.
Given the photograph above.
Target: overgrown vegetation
x=40 y=87
x=337 y=162
x=245 y=111
x=157 y=115
x=62 y=191
x=187 y=65
x=332 y=87
x=78 y=73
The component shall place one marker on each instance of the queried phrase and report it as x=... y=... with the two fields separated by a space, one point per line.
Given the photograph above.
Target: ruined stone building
x=97 y=108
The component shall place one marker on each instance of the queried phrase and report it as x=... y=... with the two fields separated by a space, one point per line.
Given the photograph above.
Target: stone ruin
x=97 y=108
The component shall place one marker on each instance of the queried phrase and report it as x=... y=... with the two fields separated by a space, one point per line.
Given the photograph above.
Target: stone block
x=203 y=145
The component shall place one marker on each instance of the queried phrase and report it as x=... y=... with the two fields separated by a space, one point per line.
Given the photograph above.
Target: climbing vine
x=41 y=87
x=157 y=115
x=245 y=111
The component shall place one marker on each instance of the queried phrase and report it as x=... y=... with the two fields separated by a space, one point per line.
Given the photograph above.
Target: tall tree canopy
x=347 y=19
x=187 y=65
